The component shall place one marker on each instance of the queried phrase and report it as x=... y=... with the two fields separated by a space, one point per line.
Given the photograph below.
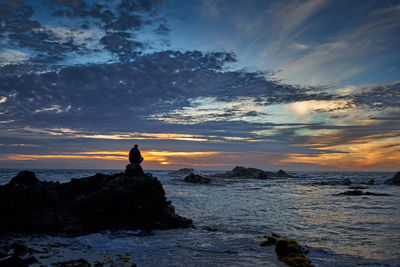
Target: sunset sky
x=212 y=84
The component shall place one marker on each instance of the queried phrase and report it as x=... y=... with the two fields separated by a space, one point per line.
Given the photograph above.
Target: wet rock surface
x=198 y=179
x=253 y=173
x=395 y=180
x=86 y=205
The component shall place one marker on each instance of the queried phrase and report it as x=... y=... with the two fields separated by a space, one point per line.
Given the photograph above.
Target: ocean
x=232 y=216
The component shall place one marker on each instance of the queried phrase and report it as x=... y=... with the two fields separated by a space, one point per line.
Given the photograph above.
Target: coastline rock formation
x=395 y=180
x=181 y=172
x=198 y=179
x=85 y=205
x=253 y=173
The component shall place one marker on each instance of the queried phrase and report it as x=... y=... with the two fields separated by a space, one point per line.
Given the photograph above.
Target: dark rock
x=194 y=178
x=291 y=253
x=24 y=178
x=17 y=261
x=371 y=181
x=72 y=263
x=21 y=249
x=87 y=205
x=361 y=193
x=181 y=172
x=395 y=180
x=133 y=170
x=282 y=173
x=269 y=242
x=346 y=181
x=253 y=173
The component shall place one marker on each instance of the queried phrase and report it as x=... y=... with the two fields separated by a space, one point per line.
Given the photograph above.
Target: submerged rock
x=253 y=173
x=181 y=172
x=194 y=178
x=87 y=205
x=361 y=193
x=395 y=180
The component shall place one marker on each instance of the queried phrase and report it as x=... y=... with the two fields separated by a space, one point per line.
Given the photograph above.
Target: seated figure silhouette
x=135 y=158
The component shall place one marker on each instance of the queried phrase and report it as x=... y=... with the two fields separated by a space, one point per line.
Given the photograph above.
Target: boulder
x=395 y=180
x=24 y=178
x=289 y=251
x=371 y=181
x=253 y=173
x=133 y=169
x=87 y=205
x=181 y=172
x=194 y=178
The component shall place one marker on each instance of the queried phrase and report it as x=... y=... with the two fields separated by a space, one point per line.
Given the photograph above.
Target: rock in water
x=194 y=178
x=87 y=205
x=395 y=180
x=253 y=173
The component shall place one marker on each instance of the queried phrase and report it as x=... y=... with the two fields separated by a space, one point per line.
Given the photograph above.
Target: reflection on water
x=343 y=230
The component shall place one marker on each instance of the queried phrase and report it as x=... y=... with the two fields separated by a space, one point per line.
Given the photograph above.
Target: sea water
x=232 y=216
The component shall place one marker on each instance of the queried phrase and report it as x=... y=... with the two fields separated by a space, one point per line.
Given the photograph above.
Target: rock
x=395 y=180
x=346 y=181
x=24 y=178
x=291 y=253
x=133 y=169
x=371 y=181
x=269 y=242
x=181 y=172
x=253 y=173
x=194 y=178
x=16 y=261
x=282 y=173
x=72 y=263
x=87 y=205
x=361 y=193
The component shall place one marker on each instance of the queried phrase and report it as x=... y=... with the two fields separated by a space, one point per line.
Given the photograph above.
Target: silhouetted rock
x=253 y=173
x=194 y=178
x=134 y=170
x=181 y=172
x=361 y=193
x=87 y=205
x=24 y=178
x=346 y=181
x=395 y=180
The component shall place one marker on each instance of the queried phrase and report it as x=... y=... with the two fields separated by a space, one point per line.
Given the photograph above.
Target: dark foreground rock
x=181 y=172
x=16 y=255
x=253 y=173
x=86 y=205
x=395 y=180
x=198 y=179
x=361 y=193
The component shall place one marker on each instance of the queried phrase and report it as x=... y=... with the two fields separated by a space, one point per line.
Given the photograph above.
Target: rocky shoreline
x=86 y=205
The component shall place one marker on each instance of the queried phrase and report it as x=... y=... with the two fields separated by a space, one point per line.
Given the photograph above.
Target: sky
x=297 y=85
